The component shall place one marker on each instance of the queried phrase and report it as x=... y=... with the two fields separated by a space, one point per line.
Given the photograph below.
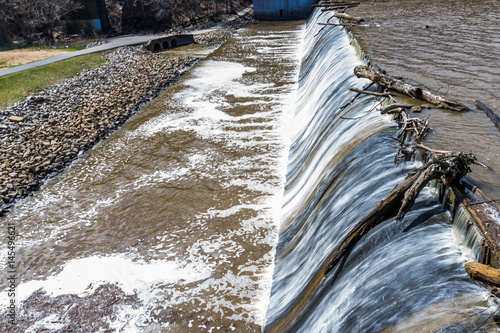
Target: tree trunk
x=401 y=199
x=492 y=115
x=348 y=17
x=103 y=16
x=483 y=273
x=407 y=89
x=385 y=209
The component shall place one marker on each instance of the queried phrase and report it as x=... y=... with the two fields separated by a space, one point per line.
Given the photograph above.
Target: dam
x=216 y=206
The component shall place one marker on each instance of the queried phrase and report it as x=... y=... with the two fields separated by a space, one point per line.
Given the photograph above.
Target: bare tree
x=45 y=15
x=25 y=17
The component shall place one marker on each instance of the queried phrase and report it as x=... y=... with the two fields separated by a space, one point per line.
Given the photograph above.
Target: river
x=217 y=205
x=452 y=47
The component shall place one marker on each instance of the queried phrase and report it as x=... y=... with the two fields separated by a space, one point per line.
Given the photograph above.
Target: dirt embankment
x=25 y=56
x=43 y=134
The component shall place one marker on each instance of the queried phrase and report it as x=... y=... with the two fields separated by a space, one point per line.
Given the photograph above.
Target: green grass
x=75 y=47
x=16 y=87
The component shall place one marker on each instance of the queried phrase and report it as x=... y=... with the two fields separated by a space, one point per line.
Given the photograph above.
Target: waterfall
x=467 y=236
x=403 y=276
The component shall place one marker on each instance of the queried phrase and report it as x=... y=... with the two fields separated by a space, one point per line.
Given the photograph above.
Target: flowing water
x=180 y=207
x=216 y=207
x=405 y=277
x=452 y=47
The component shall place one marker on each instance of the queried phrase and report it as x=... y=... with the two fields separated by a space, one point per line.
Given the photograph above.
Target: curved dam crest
x=402 y=277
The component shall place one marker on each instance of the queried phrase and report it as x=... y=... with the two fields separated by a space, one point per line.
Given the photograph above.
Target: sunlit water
x=403 y=276
x=218 y=204
x=181 y=205
x=452 y=47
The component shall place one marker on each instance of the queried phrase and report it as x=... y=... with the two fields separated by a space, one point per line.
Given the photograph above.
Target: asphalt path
x=111 y=44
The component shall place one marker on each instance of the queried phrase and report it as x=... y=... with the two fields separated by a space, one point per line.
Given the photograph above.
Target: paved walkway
x=112 y=44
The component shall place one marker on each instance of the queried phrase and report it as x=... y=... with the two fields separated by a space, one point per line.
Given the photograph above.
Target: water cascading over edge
x=403 y=275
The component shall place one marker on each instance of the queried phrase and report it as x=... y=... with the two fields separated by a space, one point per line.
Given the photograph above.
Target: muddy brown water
x=180 y=206
x=452 y=47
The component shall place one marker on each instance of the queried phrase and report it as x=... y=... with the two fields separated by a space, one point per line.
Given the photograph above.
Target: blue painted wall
x=282 y=9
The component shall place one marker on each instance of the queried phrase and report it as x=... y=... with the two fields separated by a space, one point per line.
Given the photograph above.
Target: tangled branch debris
x=413 y=131
x=446 y=167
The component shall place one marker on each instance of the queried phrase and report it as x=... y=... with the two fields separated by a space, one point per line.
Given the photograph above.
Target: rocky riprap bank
x=45 y=133
x=49 y=130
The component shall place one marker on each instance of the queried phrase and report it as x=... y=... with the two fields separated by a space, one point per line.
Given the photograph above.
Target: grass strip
x=16 y=87
x=73 y=47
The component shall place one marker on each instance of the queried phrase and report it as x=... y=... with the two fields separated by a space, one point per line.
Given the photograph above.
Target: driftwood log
x=415 y=92
x=339 y=24
x=401 y=199
x=332 y=5
x=483 y=273
x=405 y=107
x=492 y=115
x=348 y=17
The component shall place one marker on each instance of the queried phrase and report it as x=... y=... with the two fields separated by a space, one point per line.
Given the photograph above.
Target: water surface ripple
x=452 y=47
x=180 y=206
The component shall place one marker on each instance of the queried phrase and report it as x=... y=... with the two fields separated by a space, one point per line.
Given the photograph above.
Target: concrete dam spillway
x=214 y=208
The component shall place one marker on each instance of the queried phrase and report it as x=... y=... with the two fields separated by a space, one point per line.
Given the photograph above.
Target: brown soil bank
x=44 y=133
x=25 y=56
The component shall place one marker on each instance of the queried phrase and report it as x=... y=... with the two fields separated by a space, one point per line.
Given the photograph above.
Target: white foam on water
x=201 y=108
x=492 y=212
x=83 y=276
x=50 y=323
x=205 y=100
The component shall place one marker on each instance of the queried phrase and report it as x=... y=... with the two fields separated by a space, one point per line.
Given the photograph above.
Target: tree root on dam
x=447 y=168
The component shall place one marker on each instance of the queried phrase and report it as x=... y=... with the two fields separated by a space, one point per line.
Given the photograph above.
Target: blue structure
x=282 y=9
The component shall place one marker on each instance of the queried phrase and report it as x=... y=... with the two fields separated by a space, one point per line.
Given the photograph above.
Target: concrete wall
x=92 y=13
x=282 y=9
x=165 y=43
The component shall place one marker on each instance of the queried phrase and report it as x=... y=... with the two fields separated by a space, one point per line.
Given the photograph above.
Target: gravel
x=43 y=134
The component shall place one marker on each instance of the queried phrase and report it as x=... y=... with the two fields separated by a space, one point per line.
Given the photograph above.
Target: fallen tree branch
x=483 y=273
x=407 y=89
x=328 y=4
x=339 y=24
x=395 y=106
x=440 y=152
x=348 y=17
x=401 y=199
x=367 y=92
x=355 y=97
x=492 y=115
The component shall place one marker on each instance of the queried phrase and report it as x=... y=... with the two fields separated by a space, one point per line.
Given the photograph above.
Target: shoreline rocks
x=43 y=134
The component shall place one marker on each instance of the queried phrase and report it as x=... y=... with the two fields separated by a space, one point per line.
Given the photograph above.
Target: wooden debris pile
x=448 y=167
x=445 y=167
